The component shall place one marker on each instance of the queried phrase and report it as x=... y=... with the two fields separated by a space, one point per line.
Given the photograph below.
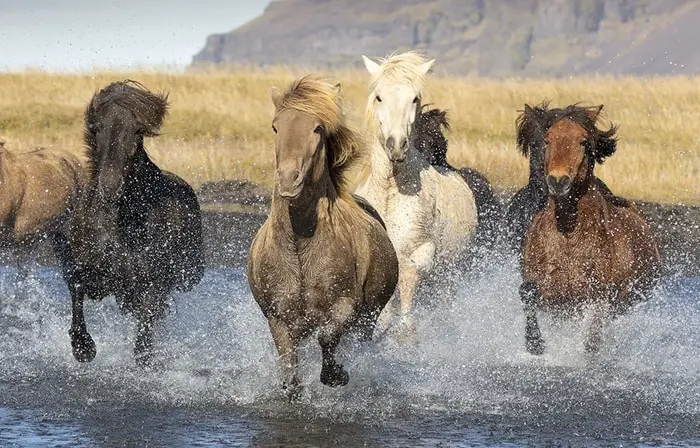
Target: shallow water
x=467 y=381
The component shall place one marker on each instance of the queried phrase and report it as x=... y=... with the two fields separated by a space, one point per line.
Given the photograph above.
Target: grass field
x=219 y=122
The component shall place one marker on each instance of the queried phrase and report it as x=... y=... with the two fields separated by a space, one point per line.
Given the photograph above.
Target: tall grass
x=219 y=123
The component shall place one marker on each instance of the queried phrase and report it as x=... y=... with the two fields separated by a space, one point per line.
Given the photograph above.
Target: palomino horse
x=136 y=232
x=319 y=261
x=582 y=248
x=38 y=189
x=529 y=200
x=429 y=139
x=430 y=212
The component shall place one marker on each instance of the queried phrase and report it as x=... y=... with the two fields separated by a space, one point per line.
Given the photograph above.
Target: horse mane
x=427 y=129
x=533 y=123
x=148 y=108
x=314 y=95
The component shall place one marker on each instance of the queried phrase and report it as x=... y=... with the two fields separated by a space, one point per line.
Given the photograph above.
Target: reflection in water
x=468 y=379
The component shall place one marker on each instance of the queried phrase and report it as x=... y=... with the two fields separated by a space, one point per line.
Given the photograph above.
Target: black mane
x=533 y=123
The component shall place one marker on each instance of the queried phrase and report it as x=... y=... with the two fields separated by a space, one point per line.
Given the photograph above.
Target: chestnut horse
x=38 y=189
x=582 y=248
x=529 y=200
x=321 y=261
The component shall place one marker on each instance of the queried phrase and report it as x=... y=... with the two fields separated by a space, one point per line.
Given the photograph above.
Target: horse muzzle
x=290 y=186
x=559 y=186
x=397 y=153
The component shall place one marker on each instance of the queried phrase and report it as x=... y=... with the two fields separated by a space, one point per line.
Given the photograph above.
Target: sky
x=81 y=35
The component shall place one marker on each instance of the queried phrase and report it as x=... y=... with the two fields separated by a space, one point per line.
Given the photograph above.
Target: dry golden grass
x=219 y=124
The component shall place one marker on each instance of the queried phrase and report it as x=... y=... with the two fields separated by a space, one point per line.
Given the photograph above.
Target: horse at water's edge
x=430 y=211
x=584 y=247
x=321 y=261
x=136 y=231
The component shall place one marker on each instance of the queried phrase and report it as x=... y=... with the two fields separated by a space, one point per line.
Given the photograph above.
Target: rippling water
x=467 y=382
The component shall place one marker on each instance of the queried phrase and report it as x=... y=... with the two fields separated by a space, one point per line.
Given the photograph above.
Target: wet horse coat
x=583 y=248
x=430 y=211
x=322 y=260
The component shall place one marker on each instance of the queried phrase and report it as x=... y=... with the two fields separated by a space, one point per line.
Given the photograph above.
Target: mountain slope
x=492 y=38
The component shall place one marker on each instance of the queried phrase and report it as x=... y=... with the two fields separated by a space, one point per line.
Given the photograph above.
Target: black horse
x=136 y=232
x=532 y=124
x=429 y=139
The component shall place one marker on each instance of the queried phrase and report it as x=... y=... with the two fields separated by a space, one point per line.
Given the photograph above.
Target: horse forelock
x=397 y=68
x=148 y=108
x=318 y=97
x=534 y=122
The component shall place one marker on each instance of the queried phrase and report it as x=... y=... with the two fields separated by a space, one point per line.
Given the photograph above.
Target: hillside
x=488 y=38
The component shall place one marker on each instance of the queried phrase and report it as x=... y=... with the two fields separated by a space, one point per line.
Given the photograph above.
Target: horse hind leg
x=530 y=296
x=151 y=307
x=287 y=342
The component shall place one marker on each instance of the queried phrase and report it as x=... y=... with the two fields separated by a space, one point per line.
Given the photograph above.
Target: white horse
x=430 y=212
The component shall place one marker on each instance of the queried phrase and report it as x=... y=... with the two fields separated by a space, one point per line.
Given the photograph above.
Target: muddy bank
x=232 y=211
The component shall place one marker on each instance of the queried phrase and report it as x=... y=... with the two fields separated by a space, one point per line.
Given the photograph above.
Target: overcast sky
x=70 y=35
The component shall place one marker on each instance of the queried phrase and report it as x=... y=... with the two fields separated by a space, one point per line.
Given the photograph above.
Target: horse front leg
x=287 y=342
x=332 y=373
x=84 y=349
x=601 y=312
x=530 y=296
x=150 y=307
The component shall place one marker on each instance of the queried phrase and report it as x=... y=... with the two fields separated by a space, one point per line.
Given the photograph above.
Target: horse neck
x=298 y=218
x=387 y=175
x=566 y=208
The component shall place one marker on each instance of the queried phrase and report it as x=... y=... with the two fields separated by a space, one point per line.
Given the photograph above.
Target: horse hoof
x=334 y=376
x=292 y=392
x=84 y=349
x=535 y=346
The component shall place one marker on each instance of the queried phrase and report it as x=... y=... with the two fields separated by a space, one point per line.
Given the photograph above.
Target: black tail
x=489 y=209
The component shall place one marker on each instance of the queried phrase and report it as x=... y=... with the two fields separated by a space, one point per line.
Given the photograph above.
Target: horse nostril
x=390 y=143
x=404 y=143
x=558 y=184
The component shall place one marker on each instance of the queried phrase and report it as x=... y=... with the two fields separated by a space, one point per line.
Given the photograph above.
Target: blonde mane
x=316 y=96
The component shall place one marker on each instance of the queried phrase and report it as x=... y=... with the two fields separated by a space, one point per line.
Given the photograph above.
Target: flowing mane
x=533 y=123
x=149 y=109
x=315 y=96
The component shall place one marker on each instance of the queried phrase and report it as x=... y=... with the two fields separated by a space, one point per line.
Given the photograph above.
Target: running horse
x=322 y=260
x=582 y=248
x=136 y=230
x=38 y=190
x=430 y=211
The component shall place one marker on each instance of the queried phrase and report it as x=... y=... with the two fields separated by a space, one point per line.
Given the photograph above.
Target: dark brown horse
x=428 y=137
x=38 y=190
x=321 y=261
x=583 y=248
x=531 y=125
x=136 y=232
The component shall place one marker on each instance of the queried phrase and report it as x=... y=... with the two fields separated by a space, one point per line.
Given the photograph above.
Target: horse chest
x=299 y=281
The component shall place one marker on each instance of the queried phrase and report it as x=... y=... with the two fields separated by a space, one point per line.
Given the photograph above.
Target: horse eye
x=378 y=98
x=274 y=129
x=319 y=129
x=415 y=100
x=546 y=142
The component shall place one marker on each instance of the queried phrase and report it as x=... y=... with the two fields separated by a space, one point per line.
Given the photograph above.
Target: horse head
x=116 y=122
x=396 y=92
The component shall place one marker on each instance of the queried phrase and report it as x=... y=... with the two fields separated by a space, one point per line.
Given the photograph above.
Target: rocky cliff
x=485 y=37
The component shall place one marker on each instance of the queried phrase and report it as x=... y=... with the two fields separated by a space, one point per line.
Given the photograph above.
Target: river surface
x=467 y=381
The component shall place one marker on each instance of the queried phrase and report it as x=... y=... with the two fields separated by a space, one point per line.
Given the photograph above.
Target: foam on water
x=215 y=351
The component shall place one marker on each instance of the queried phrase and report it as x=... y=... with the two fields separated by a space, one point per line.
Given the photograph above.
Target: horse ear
x=372 y=67
x=337 y=88
x=594 y=112
x=425 y=68
x=276 y=95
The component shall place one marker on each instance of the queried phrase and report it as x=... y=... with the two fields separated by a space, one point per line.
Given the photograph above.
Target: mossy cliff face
x=493 y=38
